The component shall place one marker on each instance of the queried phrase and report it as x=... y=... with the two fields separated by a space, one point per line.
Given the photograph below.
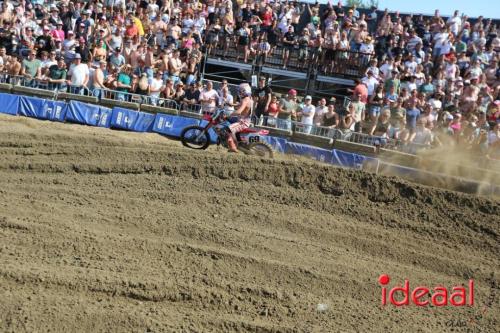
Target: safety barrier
x=370 y=140
x=88 y=114
x=43 y=83
x=321 y=131
x=121 y=96
x=197 y=109
x=159 y=101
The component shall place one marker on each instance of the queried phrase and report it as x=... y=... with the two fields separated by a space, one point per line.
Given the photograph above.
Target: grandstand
x=443 y=71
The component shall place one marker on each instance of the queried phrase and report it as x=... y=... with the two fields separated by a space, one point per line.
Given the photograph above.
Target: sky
x=472 y=8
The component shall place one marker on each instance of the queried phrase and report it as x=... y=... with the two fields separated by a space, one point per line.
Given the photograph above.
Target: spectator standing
x=307 y=114
x=156 y=87
x=32 y=68
x=192 y=96
x=78 y=76
x=287 y=108
x=358 y=112
x=209 y=98
x=57 y=75
x=262 y=95
x=124 y=83
x=320 y=111
x=98 y=80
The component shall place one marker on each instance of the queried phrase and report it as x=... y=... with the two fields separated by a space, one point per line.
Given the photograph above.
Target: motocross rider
x=241 y=117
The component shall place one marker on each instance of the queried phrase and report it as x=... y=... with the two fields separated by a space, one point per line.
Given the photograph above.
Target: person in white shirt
x=209 y=98
x=200 y=23
x=226 y=100
x=187 y=24
x=307 y=113
x=455 y=23
x=320 y=111
x=387 y=68
x=435 y=101
x=155 y=87
x=411 y=65
x=153 y=9
x=371 y=82
x=439 y=40
x=374 y=69
x=79 y=76
x=414 y=40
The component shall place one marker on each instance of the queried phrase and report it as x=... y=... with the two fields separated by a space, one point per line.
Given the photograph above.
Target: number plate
x=253 y=139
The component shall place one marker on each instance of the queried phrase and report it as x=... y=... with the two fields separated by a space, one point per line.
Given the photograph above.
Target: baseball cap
x=292 y=92
x=78 y=56
x=70 y=32
x=308 y=97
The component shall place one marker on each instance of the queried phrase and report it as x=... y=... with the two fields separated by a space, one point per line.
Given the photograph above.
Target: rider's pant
x=238 y=125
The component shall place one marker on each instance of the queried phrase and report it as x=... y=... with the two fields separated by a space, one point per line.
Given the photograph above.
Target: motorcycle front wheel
x=195 y=137
x=262 y=149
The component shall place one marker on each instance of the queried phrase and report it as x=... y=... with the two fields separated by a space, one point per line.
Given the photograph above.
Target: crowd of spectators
x=424 y=79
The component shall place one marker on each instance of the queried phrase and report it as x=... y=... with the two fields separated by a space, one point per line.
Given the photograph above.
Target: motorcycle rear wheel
x=262 y=149
x=190 y=137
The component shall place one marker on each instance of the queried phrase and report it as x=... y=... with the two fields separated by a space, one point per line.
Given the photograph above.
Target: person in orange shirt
x=131 y=29
x=361 y=90
x=138 y=23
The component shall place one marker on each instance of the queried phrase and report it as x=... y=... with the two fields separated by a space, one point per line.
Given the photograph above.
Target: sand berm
x=109 y=231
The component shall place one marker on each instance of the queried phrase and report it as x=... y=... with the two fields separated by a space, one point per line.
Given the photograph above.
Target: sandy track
x=106 y=231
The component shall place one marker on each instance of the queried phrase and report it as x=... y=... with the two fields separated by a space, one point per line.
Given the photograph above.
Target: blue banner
x=278 y=144
x=318 y=154
x=349 y=160
x=172 y=125
x=82 y=113
x=9 y=104
x=105 y=115
x=132 y=120
x=32 y=107
x=56 y=110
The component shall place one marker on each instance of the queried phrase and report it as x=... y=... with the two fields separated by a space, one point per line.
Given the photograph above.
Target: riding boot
x=231 y=144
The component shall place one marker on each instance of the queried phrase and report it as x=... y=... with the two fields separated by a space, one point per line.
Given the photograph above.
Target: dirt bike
x=249 y=141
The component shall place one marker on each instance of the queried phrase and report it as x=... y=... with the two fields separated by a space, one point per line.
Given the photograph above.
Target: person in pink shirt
x=361 y=90
x=456 y=124
x=58 y=32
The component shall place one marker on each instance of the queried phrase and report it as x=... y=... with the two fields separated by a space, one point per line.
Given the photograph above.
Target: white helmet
x=245 y=90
